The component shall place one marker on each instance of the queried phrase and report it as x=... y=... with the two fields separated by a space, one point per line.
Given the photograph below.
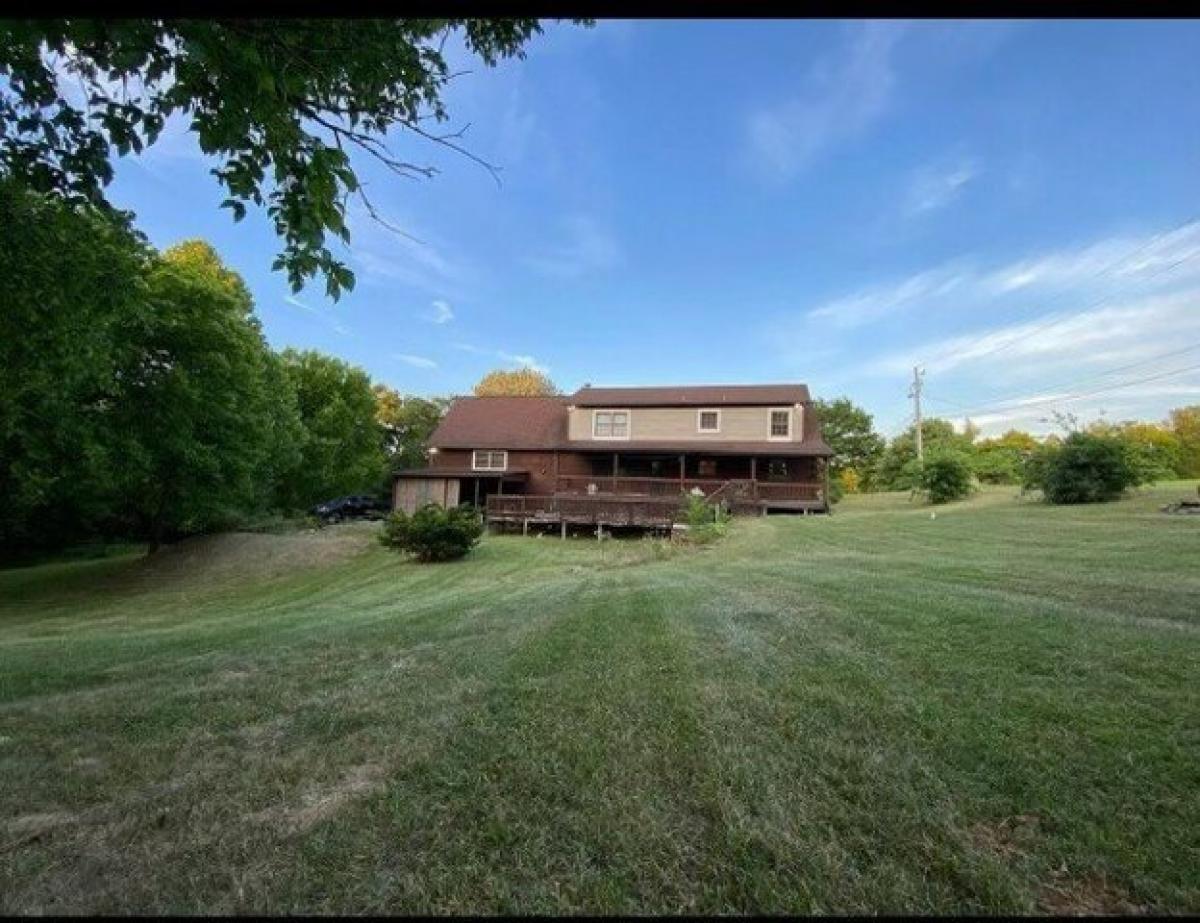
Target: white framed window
x=708 y=421
x=489 y=460
x=610 y=424
x=779 y=424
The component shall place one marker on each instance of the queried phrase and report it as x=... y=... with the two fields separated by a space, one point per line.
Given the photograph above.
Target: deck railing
x=634 y=486
x=606 y=510
x=741 y=489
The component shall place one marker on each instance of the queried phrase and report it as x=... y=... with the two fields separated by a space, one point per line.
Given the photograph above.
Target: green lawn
x=997 y=709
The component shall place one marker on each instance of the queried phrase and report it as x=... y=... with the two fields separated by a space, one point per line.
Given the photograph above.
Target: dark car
x=354 y=506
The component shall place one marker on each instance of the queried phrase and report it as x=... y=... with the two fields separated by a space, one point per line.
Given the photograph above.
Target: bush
x=433 y=533
x=849 y=480
x=1084 y=469
x=706 y=521
x=945 y=477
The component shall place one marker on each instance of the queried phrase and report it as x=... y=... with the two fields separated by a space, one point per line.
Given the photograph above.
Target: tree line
x=139 y=398
x=865 y=461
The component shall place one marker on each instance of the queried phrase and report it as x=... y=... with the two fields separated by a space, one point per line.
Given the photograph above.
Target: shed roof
x=691 y=396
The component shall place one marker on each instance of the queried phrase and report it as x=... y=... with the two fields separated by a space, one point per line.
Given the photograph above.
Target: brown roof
x=690 y=395
x=502 y=423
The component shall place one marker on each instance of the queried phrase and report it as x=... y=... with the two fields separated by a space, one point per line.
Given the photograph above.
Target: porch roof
x=511 y=474
x=808 y=448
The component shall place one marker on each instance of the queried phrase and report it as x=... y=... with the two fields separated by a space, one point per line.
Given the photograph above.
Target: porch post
x=500 y=485
x=682 y=472
x=753 y=468
x=476 y=493
x=614 y=478
x=825 y=496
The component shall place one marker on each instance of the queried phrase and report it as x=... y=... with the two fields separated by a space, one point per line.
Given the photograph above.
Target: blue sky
x=1013 y=205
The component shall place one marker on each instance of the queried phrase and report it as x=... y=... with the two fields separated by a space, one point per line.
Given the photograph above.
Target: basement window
x=489 y=460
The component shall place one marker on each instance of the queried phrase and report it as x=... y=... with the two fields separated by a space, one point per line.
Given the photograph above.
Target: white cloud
x=584 y=247
x=846 y=93
x=442 y=312
x=420 y=362
x=521 y=360
x=1126 y=265
x=1124 y=332
x=934 y=187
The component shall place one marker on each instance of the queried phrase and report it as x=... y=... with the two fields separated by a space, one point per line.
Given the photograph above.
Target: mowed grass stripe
x=875 y=712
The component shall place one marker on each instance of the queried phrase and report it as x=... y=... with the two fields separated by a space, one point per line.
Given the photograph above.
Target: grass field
x=994 y=710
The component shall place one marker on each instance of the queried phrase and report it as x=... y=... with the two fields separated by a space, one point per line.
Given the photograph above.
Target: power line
x=1069 y=398
x=1109 y=268
x=1071 y=384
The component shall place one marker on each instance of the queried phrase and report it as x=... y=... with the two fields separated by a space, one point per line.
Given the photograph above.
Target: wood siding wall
x=411 y=493
x=679 y=424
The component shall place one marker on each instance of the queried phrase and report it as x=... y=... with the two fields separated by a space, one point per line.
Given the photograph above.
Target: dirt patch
x=1007 y=838
x=321 y=804
x=252 y=555
x=1087 y=896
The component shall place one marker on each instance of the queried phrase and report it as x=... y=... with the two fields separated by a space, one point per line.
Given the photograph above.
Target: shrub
x=946 y=476
x=706 y=521
x=1085 y=469
x=849 y=480
x=433 y=533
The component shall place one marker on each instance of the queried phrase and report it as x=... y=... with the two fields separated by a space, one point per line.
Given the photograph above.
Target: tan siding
x=738 y=424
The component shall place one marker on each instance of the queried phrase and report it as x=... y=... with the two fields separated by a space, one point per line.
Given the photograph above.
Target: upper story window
x=780 y=423
x=610 y=424
x=489 y=460
x=708 y=421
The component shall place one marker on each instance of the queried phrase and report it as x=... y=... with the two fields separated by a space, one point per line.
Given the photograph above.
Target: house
x=616 y=450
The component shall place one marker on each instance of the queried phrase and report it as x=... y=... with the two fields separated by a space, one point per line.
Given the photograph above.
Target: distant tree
x=848 y=430
x=1153 y=451
x=945 y=476
x=897 y=467
x=281 y=102
x=1084 y=468
x=342 y=450
x=204 y=420
x=1185 y=424
x=524 y=382
x=999 y=460
x=407 y=424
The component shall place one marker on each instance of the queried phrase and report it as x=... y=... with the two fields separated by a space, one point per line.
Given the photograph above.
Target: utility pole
x=915 y=394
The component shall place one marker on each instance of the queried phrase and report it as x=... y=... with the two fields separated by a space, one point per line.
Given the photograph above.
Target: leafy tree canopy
x=343 y=449
x=280 y=103
x=407 y=423
x=1185 y=424
x=848 y=430
x=519 y=383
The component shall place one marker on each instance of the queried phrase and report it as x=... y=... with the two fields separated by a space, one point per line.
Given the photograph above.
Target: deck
x=647 y=503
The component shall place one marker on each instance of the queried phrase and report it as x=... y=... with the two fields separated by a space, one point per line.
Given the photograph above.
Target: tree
x=848 y=430
x=1154 y=452
x=524 y=382
x=207 y=419
x=946 y=476
x=407 y=424
x=66 y=277
x=283 y=103
x=897 y=467
x=1084 y=468
x=1000 y=460
x=342 y=449
x=1185 y=424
